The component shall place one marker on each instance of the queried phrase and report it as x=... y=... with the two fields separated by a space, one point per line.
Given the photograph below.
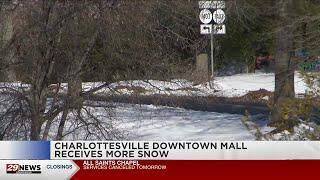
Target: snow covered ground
x=148 y=122
x=239 y=85
x=227 y=86
x=164 y=123
x=142 y=122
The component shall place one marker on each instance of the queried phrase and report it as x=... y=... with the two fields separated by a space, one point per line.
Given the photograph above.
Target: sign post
x=212 y=23
x=211 y=44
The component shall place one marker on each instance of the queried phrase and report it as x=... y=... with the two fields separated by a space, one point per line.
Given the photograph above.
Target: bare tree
x=47 y=35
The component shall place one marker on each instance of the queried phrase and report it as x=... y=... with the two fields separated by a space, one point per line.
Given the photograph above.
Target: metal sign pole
x=207 y=18
x=212 y=68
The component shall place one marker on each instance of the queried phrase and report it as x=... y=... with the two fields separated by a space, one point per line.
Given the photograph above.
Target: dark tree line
x=49 y=42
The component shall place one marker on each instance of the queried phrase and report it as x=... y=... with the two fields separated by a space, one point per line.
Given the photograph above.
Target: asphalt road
x=209 y=104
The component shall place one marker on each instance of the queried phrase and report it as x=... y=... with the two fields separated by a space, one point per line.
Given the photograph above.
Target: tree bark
x=42 y=71
x=7 y=33
x=37 y=109
x=284 y=66
x=73 y=101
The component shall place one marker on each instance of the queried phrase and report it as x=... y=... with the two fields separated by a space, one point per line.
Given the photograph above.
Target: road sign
x=208 y=27
x=212 y=4
x=205 y=4
x=220 y=4
x=219 y=29
x=205 y=28
x=219 y=16
x=205 y=16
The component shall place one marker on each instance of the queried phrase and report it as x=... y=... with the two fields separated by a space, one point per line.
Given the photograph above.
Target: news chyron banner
x=156 y=159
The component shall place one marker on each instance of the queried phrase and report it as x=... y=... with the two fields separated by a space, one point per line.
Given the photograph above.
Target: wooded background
x=53 y=41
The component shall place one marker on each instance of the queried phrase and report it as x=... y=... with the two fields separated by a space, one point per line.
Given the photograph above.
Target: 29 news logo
x=23 y=169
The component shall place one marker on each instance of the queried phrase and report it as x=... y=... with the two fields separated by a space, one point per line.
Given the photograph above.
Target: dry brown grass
x=259 y=96
x=135 y=89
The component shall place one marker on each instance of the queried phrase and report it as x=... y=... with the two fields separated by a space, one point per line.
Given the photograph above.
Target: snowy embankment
x=163 y=123
x=148 y=122
x=227 y=86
